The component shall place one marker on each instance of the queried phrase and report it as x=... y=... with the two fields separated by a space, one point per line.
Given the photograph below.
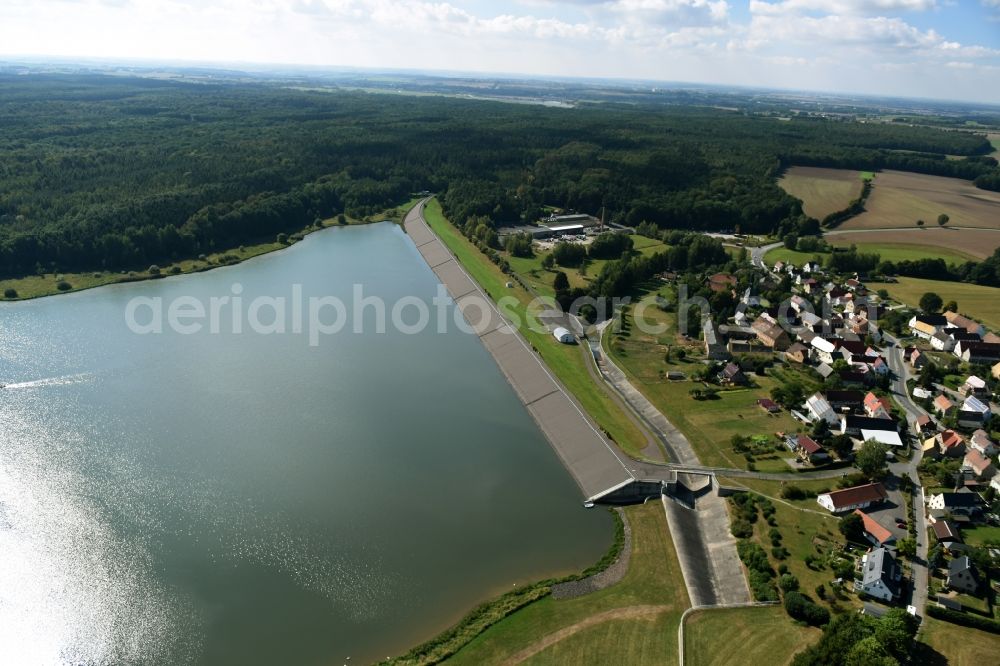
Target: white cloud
x=841 y=7
x=833 y=44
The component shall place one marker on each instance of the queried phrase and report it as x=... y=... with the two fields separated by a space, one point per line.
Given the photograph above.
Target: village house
x=946 y=533
x=768 y=405
x=917 y=359
x=874 y=532
x=974 y=386
x=820 y=409
x=845 y=401
x=995 y=370
x=962 y=503
x=853 y=425
x=877 y=407
x=807 y=448
x=926 y=325
x=714 y=349
x=962 y=575
x=824 y=350
x=950 y=443
x=849 y=499
x=721 y=282
x=984 y=353
x=797 y=353
x=771 y=334
x=962 y=322
x=732 y=375
x=880 y=575
x=941 y=341
x=923 y=425
x=943 y=406
x=980 y=441
x=978 y=464
x=973 y=413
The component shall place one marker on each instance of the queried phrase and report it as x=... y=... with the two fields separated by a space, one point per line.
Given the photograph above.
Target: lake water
x=252 y=499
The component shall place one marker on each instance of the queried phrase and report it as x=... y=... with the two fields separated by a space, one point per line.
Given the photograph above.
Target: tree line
x=116 y=173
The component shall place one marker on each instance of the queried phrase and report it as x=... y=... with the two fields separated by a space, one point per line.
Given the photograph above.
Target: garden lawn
x=739 y=636
x=653 y=580
x=960 y=646
x=981 y=535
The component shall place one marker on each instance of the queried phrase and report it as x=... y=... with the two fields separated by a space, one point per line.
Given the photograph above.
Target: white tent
x=563 y=335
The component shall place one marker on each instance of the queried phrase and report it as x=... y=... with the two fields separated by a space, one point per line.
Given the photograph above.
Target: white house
x=849 y=499
x=819 y=408
x=980 y=441
x=824 y=349
x=880 y=575
x=942 y=341
x=973 y=412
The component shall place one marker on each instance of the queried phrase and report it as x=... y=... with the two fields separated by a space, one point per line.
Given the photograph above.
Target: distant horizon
x=915 y=49
x=262 y=67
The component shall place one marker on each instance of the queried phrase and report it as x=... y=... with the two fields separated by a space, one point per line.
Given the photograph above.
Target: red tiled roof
x=767 y=403
x=872 y=403
x=950 y=438
x=870 y=492
x=809 y=445
x=942 y=402
x=881 y=534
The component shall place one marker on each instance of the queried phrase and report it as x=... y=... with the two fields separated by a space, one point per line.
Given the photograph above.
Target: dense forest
x=106 y=172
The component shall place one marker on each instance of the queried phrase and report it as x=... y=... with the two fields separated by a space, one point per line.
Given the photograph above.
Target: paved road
x=757 y=254
x=901 y=373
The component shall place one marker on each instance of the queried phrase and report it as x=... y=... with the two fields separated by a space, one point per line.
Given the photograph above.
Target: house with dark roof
x=768 y=405
x=918 y=359
x=714 y=348
x=880 y=575
x=962 y=575
x=731 y=374
x=809 y=449
x=849 y=499
x=946 y=533
x=962 y=502
x=985 y=353
x=874 y=531
x=852 y=424
x=846 y=401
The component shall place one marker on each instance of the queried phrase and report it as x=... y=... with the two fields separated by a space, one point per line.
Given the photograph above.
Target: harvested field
x=980 y=303
x=822 y=191
x=952 y=245
x=899 y=199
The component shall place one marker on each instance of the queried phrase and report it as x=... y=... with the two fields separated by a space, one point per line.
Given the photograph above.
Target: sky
x=942 y=49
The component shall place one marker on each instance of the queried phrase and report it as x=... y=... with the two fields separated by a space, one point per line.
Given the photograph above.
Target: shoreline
x=108 y=278
x=587 y=455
